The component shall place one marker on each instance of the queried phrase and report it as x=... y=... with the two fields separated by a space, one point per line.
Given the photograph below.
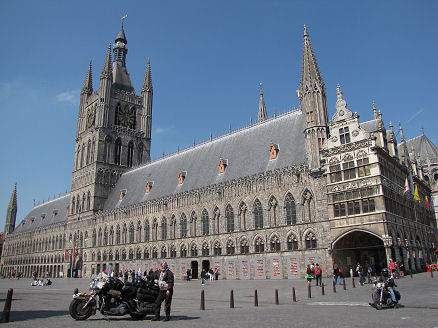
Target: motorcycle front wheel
x=77 y=310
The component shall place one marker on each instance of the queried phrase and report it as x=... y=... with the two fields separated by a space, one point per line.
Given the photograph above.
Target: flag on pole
x=416 y=194
x=124 y=16
x=431 y=204
x=427 y=202
x=406 y=188
x=67 y=254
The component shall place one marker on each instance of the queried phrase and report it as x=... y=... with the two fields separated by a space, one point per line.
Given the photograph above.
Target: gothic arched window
x=230 y=247
x=93 y=240
x=205 y=223
x=275 y=244
x=291 y=210
x=292 y=242
x=117 y=151
x=130 y=154
x=244 y=246
x=258 y=215
x=194 y=250
x=205 y=249
x=229 y=215
x=259 y=245
x=163 y=228
x=88 y=200
x=311 y=241
x=163 y=252
x=118 y=235
x=147 y=231
x=183 y=226
x=131 y=232
x=107 y=149
x=140 y=154
x=217 y=248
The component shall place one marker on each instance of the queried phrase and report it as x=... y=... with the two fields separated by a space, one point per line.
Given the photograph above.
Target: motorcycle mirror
x=76 y=291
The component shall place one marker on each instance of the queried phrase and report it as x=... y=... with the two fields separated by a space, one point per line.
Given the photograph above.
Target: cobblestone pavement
x=48 y=306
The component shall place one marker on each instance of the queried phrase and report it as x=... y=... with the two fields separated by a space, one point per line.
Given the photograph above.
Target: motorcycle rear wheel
x=77 y=310
x=137 y=316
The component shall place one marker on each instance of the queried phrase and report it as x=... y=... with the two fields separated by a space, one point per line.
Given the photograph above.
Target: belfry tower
x=313 y=103
x=113 y=130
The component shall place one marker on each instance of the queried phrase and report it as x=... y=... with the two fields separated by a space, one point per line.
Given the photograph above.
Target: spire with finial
x=375 y=114
x=391 y=135
x=147 y=82
x=402 y=136
x=404 y=148
x=310 y=70
x=11 y=213
x=262 y=116
x=381 y=124
x=87 y=88
x=107 y=69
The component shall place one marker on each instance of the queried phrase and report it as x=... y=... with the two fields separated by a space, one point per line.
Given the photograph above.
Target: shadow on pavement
x=27 y=315
x=127 y=318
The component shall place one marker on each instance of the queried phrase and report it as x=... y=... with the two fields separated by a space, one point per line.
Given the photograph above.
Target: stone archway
x=359 y=246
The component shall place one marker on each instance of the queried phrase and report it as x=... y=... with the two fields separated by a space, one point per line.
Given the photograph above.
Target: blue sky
x=207 y=59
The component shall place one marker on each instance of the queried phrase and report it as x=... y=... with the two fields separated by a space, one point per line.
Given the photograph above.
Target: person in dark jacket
x=165 y=282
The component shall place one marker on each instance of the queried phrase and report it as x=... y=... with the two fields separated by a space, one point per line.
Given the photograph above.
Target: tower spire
x=107 y=70
x=147 y=82
x=313 y=103
x=310 y=70
x=262 y=116
x=11 y=213
x=87 y=88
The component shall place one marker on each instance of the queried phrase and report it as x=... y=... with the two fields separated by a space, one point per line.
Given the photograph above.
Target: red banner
x=67 y=254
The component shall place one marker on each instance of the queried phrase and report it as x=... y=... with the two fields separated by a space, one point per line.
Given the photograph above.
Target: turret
x=392 y=142
x=147 y=92
x=87 y=90
x=313 y=103
x=11 y=212
x=262 y=115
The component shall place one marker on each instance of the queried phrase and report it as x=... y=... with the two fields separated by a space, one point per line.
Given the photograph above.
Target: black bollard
x=431 y=272
x=202 y=300
x=276 y=297
x=412 y=277
x=256 y=298
x=352 y=280
x=322 y=289
x=343 y=282
x=294 y=297
x=309 y=292
x=7 y=308
x=232 y=299
x=334 y=287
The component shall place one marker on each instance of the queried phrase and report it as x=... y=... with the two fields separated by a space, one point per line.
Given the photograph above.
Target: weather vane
x=123 y=18
x=261 y=86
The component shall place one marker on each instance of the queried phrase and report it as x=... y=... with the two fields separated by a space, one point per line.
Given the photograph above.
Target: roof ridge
x=293 y=111
x=51 y=200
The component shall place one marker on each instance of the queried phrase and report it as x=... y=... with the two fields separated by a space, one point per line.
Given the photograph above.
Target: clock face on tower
x=126 y=117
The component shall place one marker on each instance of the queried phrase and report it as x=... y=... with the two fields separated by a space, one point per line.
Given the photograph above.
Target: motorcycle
x=381 y=295
x=111 y=296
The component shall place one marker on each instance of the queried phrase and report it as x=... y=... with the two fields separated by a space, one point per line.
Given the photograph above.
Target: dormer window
x=67 y=210
x=54 y=213
x=42 y=217
x=122 y=193
x=273 y=151
x=181 y=176
x=149 y=185
x=222 y=165
x=31 y=220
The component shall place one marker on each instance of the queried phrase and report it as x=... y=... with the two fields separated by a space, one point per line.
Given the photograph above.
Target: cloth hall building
x=261 y=202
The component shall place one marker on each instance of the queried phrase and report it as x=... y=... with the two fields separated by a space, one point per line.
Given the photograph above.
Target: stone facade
x=262 y=202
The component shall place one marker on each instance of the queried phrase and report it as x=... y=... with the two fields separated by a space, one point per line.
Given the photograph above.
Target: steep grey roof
x=370 y=126
x=33 y=220
x=422 y=145
x=121 y=79
x=247 y=152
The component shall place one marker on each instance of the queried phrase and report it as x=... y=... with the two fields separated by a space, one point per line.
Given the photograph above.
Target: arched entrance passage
x=359 y=246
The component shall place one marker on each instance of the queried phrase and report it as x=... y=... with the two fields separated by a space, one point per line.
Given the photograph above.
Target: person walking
x=337 y=275
x=318 y=274
x=203 y=274
x=165 y=282
x=309 y=274
x=359 y=271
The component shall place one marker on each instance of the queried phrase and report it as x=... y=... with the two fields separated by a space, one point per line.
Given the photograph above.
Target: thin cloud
x=71 y=96
x=159 y=131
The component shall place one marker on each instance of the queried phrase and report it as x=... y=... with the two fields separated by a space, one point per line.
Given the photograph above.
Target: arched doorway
x=359 y=246
x=194 y=267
